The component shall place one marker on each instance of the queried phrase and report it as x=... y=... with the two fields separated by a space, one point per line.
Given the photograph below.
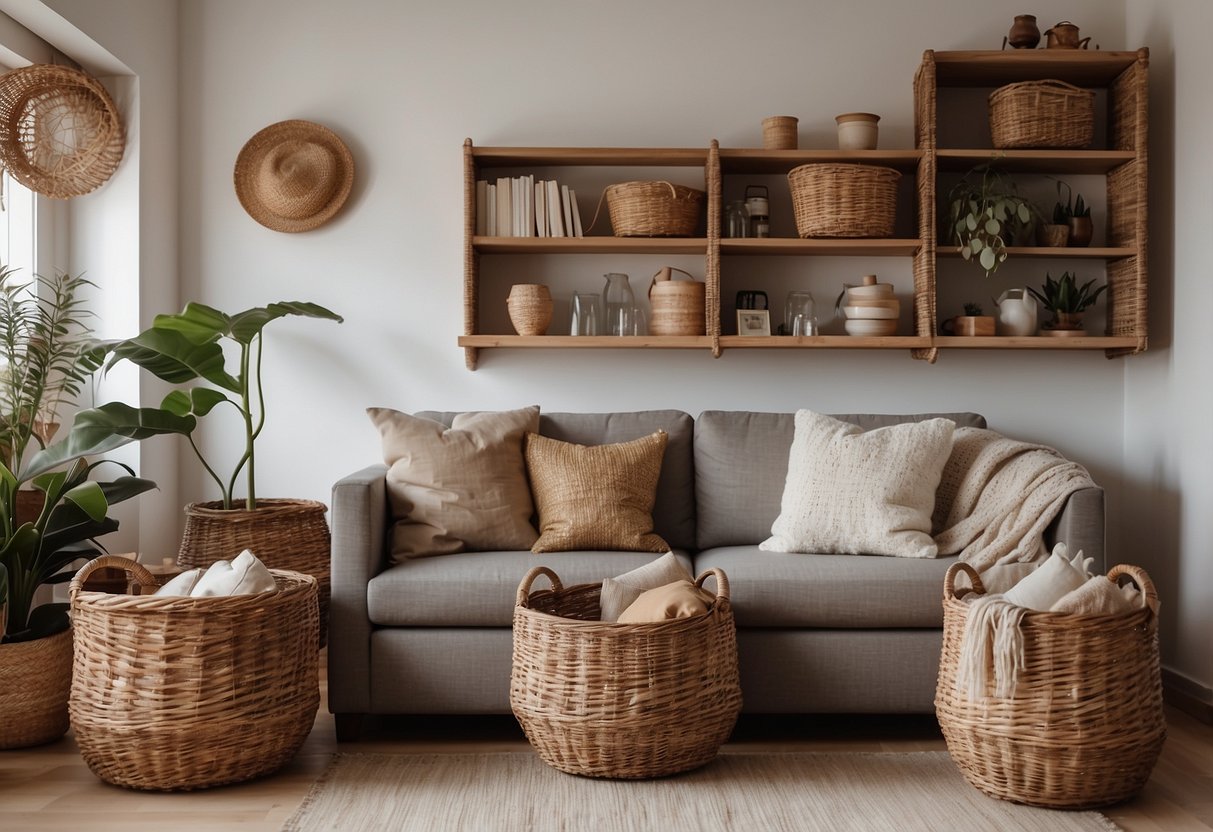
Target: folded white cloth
x=244 y=575
x=1098 y=596
x=182 y=584
x=621 y=592
x=1046 y=585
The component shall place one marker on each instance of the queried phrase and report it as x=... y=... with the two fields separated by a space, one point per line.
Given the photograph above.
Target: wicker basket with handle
x=1085 y=724
x=653 y=209
x=177 y=693
x=840 y=200
x=616 y=700
x=678 y=305
x=1042 y=114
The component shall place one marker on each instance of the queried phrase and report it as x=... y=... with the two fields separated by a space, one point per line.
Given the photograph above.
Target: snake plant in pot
x=215 y=359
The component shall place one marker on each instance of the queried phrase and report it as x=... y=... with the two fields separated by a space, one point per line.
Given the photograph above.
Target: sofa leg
x=349 y=727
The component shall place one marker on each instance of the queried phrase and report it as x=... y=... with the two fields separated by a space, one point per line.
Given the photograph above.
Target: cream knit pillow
x=851 y=492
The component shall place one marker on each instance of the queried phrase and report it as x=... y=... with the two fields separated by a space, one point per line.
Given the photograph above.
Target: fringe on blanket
x=992 y=641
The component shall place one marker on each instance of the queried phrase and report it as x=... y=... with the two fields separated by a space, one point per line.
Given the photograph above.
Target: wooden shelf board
x=752 y=160
x=1037 y=161
x=555 y=156
x=588 y=341
x=1083 y=67
x=1036 y=342
x=821 y=247
x=590 y=245
x=775 y=342
x=1049 y=251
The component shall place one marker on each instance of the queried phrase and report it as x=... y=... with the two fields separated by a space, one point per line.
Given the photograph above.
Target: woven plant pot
x=176 y=693
x=624 y=701
x=282 y=533
x=833 y=200
x=35 y=680
x=1085 y=724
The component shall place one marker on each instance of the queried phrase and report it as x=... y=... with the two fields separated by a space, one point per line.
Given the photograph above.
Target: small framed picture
x=753 y=322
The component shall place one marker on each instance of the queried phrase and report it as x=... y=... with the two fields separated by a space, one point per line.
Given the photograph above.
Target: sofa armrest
x=359 y=528
x=1081 y=526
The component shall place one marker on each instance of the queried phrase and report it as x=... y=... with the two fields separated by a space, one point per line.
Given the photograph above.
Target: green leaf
x=966 y=253
x=198 y=401
x=993 y=227
x=105 y=428
x=247 y=325
x=90 y=499
x=172 y=356
x=976 y=245
x=971 y=222
x=988 y=259
x=1025 y=216
x=199 y=323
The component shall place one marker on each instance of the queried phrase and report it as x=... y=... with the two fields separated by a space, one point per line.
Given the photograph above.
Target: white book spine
x=577 y=232
x=555 y=220
x=491 y=199
x=541 y=216
x=503 y=207
x=567 y=208
x=482 y=207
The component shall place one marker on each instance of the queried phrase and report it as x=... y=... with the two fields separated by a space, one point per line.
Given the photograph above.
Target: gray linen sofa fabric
x=816 y=633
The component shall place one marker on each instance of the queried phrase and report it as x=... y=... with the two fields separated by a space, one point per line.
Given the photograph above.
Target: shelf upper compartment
x=622 y=156
x=748 y=160
x=883 y=247
x=991 y=68
x=1036 y=161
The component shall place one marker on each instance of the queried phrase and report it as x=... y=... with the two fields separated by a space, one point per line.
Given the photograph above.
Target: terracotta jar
x=1024 y=33
x=1081 y=231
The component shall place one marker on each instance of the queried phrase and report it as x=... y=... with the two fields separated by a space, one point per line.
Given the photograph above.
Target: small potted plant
x=1074 y=213
x=985 y=215
x=972 y=323
x=1067 y=301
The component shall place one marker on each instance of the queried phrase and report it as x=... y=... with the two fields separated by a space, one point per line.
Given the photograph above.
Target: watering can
x=1016 y=312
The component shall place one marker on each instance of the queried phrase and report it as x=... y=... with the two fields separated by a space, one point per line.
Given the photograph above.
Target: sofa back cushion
x=674 y=508
x=741 y=463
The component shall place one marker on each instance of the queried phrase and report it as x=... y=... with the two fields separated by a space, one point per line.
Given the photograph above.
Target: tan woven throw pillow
x=457 y=489
x=595 y=496
x=851 y=492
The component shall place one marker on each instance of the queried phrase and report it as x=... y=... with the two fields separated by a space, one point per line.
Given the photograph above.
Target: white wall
x=405 y=83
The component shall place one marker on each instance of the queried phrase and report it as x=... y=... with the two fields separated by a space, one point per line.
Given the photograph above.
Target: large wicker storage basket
x=653 y=209
x=627 y=701
x=1085 y=724
x=833 y=200
x=176 y=693
x=1042 y=114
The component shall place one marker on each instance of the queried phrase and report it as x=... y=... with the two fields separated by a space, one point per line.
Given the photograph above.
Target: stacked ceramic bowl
x=871 y=308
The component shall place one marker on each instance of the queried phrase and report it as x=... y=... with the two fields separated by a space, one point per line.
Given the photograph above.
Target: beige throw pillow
x=619 y=593
x=681 y=599
x=855 y=492
x=595 y=496
x=457 y=489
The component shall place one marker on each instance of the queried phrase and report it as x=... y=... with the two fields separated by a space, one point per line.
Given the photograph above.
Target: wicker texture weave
x=779 y=133
x=1085 y=725
x=833 y=200
x=653 y=209
x=622 y=700
x=35 y=679
x=283 y=534
x=1042 y=114
x=925 y=257
x=176 y=693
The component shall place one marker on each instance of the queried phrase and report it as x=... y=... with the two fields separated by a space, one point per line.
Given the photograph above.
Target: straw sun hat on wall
x=294 y=175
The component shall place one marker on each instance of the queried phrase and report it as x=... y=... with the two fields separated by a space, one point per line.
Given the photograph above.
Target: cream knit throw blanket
x=992 y=641
x=997 y=495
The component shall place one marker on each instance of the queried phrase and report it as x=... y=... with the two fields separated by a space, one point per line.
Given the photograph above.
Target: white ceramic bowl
x=870 y=312
x=871 y=328
x=873 y=292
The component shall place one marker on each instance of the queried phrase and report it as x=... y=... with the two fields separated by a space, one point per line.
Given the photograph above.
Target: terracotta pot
x=1067 y=323
x=35 y=682
x=1053 y=235
x=1081 y=231
x=530 y=307
x=1024 y=34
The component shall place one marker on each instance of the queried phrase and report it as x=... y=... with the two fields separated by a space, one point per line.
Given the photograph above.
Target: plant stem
x=225 y=492
x=249 y=435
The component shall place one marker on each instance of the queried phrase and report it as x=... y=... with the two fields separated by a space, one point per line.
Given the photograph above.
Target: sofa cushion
x=674 y=507
x=595 y=496
x=741 y=462
x=781 y=589
x=478 y=589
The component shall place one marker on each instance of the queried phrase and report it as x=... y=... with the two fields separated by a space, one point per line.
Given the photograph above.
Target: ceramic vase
x=1081 y=231
x=1024 y=34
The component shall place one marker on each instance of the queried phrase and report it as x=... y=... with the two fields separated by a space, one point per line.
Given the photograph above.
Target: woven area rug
x=805 y=792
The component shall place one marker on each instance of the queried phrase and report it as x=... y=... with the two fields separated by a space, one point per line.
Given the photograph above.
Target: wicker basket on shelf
x=626 y=701
x=1085 y=724
x=175 y=693
x=838 y=200
x=654 y=209
x=1043 y=114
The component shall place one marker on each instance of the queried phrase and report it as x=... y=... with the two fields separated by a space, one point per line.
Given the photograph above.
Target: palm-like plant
x=1065 y=295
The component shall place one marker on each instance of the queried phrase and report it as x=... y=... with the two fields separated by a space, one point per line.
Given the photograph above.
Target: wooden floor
x=51 y=788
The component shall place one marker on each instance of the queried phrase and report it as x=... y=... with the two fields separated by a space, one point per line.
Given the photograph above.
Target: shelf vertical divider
x=471 y=260
x=924 y=259
x=711 y=301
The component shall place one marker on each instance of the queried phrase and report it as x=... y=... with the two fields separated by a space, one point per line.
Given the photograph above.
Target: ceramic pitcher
x=1016 y=312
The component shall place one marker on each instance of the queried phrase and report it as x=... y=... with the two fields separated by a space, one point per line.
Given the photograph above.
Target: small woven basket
x=653 y=209
x=176 y=693
x=1042 y=114
x=779 y=133
x=282 y=533
x=626 y=701
x=1085 y=724
x=677 y=305
x=832 y=200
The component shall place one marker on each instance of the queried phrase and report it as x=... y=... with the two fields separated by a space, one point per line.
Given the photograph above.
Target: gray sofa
x=816 y=633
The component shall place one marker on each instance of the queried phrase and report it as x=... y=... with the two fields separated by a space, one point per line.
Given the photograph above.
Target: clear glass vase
x=619 y=302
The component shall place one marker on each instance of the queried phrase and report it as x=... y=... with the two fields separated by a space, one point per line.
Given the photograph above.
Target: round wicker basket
x=1085 y=724
x=616 y=700
x=35 y=680
x=1042 y=114
x=779 y=133
x=839 y=200
x=653 y=209
x=60 y=133
x=175 y=693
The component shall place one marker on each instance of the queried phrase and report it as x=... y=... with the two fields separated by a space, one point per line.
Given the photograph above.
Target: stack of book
x=519 y=206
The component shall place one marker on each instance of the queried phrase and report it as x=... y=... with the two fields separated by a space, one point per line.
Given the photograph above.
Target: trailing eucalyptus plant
x=189 y=347
x=984 y=210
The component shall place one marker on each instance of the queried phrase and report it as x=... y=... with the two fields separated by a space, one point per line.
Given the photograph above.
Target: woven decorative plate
x=60 y=133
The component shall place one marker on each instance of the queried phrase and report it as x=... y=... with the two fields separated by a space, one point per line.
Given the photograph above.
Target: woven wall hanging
x=60 y=133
